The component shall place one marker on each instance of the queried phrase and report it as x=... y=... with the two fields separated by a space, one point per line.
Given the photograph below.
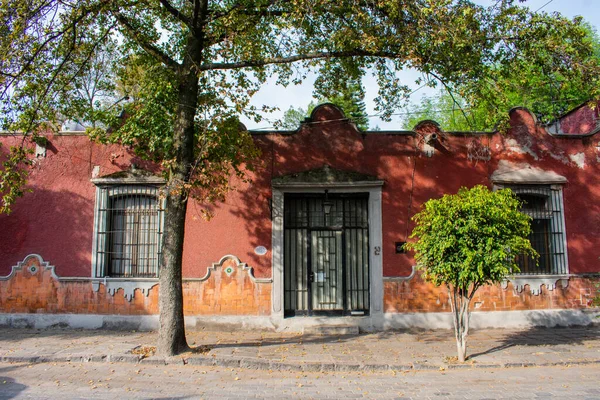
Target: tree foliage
x=190 y=68
x=294 y=116
x=452 y=113
x=13 y=177
x=547 y=90
x=351 y=99
x=468 y=240
x=349 y=96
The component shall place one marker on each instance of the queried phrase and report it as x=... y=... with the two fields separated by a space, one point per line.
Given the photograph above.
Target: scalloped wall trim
x=238 y=264
x=33 y=262
x=33 y=269
x=128 y=285
x=536 y=283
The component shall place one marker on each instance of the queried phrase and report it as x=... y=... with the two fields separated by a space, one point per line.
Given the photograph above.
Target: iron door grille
x=304 y=217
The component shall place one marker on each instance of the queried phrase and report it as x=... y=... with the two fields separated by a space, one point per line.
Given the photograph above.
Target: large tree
x=193 y=65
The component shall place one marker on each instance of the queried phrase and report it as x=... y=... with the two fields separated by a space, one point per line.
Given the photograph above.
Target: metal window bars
x=129 y=232
x=543 y=204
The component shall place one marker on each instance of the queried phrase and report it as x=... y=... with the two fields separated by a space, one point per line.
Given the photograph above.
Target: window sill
x=536 y=282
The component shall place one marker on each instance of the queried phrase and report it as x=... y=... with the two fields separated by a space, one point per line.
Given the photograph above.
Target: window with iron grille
x=129 y=221
x=543 y=203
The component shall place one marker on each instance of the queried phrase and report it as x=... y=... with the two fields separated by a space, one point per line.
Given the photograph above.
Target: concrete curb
x=257 y=364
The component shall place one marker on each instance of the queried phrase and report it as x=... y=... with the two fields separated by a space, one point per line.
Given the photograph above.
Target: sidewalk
x=398 y=350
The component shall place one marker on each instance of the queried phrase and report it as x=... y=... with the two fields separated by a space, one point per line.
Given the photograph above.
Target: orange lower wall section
x=416 y=295
x=229 y=288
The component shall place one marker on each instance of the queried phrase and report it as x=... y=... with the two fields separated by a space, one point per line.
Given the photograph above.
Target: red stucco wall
x=242 y=222
x=55 y=216
x=55 y=219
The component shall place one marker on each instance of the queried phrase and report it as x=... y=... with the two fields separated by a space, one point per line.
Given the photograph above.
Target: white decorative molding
x=375 y=260
x=536 y=282
x=401 y=278
x=238 y=264
x=32 y=269
x=277 y=291
x=129 y=286
x=40 y=151
x=132 y=176
x=310 y=185
x=428 y=149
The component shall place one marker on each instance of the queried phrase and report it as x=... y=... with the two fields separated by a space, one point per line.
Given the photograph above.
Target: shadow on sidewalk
x=284 y=340
x=15 y=335
x=10 y=387
x=393 y=336
x=544 y=337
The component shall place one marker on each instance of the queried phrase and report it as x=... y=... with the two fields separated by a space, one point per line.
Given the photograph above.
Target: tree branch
x=295 y=58
x=216 y=15
x=176 y=13
x=454 y=101
x=148 y=47
x=262 y=11
x=195 y=18
x=72 y=25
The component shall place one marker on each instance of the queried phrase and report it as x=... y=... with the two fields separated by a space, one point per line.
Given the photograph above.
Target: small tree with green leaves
x=468 y=240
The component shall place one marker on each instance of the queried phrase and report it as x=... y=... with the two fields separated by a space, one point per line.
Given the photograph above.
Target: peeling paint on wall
x=520 y=148
x=578 y=159
x=560 y=157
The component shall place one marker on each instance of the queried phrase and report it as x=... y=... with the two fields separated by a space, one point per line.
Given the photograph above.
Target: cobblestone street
x=120 y=380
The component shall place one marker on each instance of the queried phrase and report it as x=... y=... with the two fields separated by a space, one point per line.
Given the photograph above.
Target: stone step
x=330 y=330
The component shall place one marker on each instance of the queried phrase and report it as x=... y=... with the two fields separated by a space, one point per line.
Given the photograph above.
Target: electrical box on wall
x=400 y=247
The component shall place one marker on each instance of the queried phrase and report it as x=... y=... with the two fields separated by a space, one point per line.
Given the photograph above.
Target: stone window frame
x=374 y=189
x=510 y=175
x=112 y=182
x=555 y=196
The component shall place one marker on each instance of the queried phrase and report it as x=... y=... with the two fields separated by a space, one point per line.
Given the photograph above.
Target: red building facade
x=315 y=238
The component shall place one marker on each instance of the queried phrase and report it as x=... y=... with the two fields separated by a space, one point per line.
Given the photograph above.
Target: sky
x=300 y=95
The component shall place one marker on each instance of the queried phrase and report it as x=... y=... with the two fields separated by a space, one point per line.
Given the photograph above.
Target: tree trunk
x=461 y=348
x=171 y=336
x=460 y=302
